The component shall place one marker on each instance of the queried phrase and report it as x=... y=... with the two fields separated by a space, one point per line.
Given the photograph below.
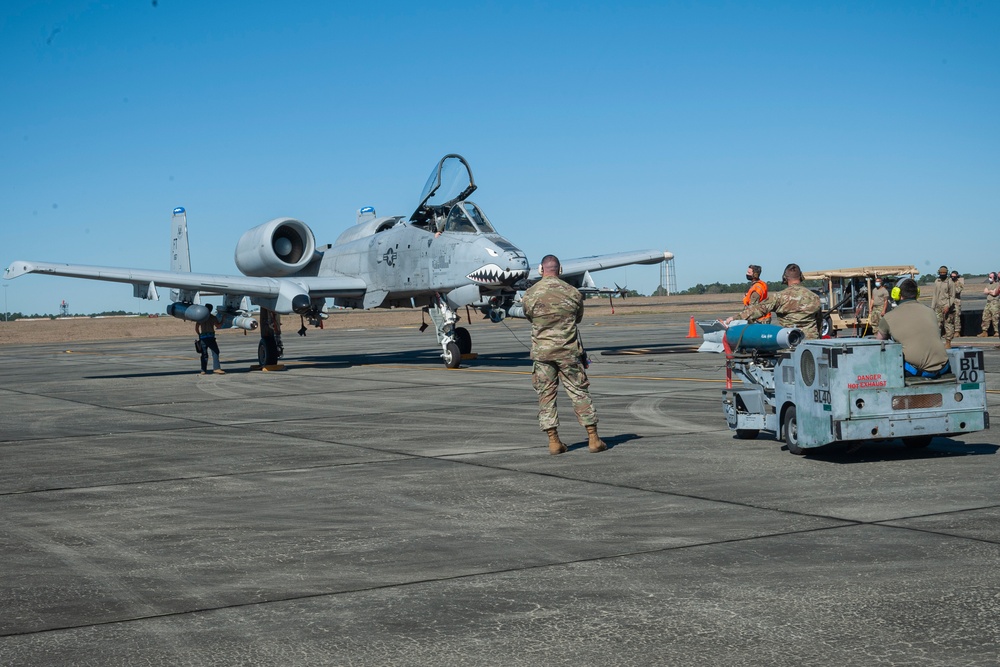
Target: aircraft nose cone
x=517 y=261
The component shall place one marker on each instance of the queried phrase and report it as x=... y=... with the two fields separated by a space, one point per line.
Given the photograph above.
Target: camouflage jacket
x=796 y=306
x=554 y=308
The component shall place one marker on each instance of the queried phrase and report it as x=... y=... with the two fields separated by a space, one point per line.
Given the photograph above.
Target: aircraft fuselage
x=404 y=265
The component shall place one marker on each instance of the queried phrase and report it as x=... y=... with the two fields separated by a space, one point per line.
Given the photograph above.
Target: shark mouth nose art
x=492 y=275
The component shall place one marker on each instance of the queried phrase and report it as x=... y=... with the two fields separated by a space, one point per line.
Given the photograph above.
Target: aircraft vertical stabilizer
x=180 y=252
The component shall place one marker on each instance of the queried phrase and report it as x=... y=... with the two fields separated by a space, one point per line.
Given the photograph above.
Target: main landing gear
x=269 y=349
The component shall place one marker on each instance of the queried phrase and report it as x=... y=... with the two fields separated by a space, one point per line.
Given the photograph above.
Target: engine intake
x=277 y=248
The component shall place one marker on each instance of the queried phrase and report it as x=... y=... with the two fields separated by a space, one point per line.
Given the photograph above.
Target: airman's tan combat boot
x=594 y=444
x=982 y=334
x=555 y=445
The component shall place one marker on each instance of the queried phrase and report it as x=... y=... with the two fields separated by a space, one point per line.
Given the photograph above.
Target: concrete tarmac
x=366 y=506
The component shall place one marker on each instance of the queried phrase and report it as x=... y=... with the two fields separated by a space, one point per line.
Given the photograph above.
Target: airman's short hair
x=755 y=270
x=792 y=272
x=550 y=263
x=908 y=289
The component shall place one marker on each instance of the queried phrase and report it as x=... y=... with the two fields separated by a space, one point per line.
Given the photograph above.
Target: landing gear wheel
x=791 y=427
x=747 y=433
x=464 y=340
x=452 y=355
x=918 y=441
x=267 y=352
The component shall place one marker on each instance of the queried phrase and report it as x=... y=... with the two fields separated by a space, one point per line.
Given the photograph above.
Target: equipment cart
x=848 y=390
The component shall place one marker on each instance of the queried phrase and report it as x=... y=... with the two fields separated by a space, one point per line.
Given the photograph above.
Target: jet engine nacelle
x=192 y=312
x=277 y=248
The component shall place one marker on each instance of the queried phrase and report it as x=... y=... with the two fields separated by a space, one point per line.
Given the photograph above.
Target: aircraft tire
x=452 y=356
x=464 y=340
x=267 y=351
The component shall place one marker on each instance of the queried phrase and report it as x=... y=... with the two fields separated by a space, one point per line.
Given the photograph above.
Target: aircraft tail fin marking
x=180 y=252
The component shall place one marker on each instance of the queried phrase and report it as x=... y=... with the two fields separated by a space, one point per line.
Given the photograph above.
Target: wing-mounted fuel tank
x=281 y=247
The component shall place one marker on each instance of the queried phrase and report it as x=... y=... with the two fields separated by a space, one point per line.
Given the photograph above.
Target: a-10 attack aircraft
x=445 y=256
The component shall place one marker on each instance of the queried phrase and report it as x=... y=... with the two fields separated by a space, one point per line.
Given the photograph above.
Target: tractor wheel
x=791 y=427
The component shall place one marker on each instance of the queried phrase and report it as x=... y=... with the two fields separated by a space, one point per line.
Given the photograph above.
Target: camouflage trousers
x=867 y=326
x=991 y=313
x=545 y=379
x=946 y=321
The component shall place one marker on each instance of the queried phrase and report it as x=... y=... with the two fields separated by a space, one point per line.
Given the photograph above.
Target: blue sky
x=825 y=133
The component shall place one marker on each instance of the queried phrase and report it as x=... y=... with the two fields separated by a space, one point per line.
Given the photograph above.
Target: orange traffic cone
x=692 y=332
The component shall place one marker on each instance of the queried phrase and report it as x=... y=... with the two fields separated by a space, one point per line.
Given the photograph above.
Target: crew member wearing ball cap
x=796 y=306
x=915 y=327
x=757 y=292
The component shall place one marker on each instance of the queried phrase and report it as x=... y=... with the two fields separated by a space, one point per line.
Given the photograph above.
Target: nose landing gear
x=454 y=341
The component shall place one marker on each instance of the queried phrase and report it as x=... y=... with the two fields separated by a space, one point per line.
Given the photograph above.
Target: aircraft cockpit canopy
x=467 y=217
x=450 y=182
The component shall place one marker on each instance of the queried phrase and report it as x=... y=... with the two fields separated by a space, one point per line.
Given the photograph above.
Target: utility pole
x=6 y=313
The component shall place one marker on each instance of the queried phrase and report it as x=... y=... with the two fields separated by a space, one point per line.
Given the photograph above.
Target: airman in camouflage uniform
x=879 y=304
x=991 y=312
x=796 y=306
x=554 y=308
x=956 y=313
x=943 y=304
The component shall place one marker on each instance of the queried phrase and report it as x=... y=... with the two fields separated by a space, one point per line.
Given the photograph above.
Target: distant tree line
x=931 y=277
x=739 y=288
x=742 y=287
x=10 y=317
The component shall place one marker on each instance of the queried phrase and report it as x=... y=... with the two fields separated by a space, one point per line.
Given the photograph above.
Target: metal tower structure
x=668 y=277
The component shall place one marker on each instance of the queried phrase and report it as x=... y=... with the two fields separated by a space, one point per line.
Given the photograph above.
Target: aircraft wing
x=145 y=282
x=578 y=267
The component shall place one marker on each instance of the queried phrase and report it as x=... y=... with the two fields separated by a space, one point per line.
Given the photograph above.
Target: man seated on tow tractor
x=796 y=306
x=915 y=327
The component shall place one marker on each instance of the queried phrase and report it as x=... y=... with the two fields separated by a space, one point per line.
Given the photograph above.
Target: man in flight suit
x=554 y=308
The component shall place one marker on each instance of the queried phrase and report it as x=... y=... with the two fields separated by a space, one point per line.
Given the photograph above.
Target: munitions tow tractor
x=815 y=392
